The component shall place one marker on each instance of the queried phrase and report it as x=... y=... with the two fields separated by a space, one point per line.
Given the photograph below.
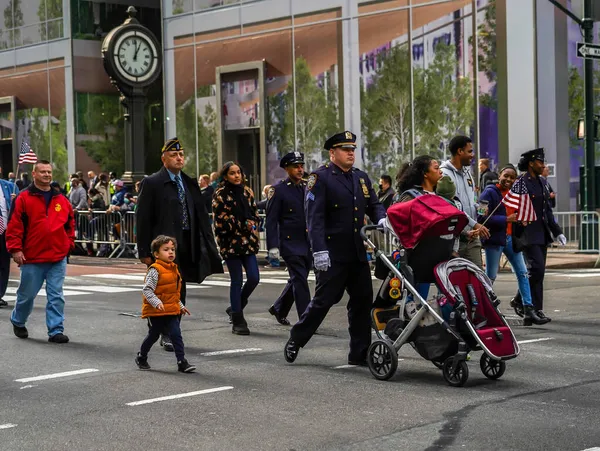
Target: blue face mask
x=126 y=200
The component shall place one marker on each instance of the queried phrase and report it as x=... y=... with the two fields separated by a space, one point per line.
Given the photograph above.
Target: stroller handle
x=368 y=228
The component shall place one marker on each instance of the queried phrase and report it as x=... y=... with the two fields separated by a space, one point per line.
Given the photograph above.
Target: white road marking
x=56 y=375
x=7 y=426
x=216 y=283
x=341 y=367
x=230 y=351
x=181 y=395
x=27 y=386
x=592 y=449
x=138 y=276
x=534 y=340
x=66 y=292
x=274 y=281
x=578 y=275
x=107 y=289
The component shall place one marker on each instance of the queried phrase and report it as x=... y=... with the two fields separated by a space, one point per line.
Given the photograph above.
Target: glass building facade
x=252 y=80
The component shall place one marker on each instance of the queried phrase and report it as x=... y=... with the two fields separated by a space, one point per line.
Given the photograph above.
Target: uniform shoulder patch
x=271 y=193
x=312 y=179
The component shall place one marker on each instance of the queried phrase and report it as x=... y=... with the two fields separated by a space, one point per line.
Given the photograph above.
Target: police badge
x=364 y=187
x=270 y=193
x=312 y=179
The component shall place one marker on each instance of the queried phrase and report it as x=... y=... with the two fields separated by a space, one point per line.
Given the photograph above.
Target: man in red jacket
x=40 y=234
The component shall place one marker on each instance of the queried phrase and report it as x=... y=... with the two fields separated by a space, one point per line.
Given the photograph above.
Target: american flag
x=518 y=198
x=26 y=155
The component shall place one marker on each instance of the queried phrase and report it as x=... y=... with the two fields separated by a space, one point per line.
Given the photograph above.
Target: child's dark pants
x=169 y=325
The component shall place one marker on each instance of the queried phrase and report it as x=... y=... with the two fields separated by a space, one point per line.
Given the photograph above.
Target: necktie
x=185 y=220
x=2 y=225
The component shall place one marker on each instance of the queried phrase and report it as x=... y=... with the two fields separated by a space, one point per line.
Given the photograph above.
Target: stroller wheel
x=383 y=360
x=455 y=378
x=492 y=369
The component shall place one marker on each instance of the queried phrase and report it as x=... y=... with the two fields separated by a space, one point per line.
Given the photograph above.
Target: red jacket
x=43 y=234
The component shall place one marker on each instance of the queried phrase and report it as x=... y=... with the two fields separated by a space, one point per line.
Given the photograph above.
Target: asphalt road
x=244 y=395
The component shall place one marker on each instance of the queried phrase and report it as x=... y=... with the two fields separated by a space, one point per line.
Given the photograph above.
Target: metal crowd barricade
x=582 y=230
x=97 y=231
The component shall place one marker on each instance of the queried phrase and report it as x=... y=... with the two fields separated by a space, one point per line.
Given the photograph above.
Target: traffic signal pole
x=590 y=142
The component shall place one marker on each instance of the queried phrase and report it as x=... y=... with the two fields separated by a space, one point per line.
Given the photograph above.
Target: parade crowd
x=188 y=229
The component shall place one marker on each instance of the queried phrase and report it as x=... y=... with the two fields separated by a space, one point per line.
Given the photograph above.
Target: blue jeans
x=33 y=276
x=517 y=263
x=239 y=296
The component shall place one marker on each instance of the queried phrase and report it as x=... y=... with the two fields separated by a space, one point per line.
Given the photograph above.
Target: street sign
x=591 y=51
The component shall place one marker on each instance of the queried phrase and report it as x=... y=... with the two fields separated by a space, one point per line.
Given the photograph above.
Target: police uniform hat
x=343 y=140
x=291 y=158
x=171 y=145
x=535 y=154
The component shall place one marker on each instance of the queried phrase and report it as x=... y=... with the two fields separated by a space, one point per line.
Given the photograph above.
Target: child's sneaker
x=185 y=367
x=142 y=362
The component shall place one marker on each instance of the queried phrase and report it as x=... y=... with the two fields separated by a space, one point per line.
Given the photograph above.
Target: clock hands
x=136 y=51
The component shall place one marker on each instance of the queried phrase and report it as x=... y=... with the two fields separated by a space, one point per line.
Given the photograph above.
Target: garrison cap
x=172 y=144
x=343 y=140
x=535 y=154
x=291 y=158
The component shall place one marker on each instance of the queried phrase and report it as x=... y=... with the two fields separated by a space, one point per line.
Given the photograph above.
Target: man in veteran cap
x=337 y=199
x=170 y=203
x=533 y=238
x=287 y=236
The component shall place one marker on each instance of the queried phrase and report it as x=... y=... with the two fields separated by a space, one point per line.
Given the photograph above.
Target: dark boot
x=531 y=317
x=240 y=326
x=541 y=314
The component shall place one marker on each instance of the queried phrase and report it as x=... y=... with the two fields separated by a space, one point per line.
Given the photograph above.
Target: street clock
x=131 y=54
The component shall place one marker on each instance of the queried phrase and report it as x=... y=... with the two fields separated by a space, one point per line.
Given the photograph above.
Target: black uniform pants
x=184 y=261
x=297 y=287
x=354 y=277
x=535 y=258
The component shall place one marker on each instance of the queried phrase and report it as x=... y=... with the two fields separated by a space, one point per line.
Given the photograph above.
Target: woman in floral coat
x=236 y=222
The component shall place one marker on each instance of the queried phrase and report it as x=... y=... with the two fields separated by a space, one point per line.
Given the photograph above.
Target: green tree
x=576 y=105
x=47 y=138
x=207 y=137
x=13 y=18
x=488 y=62
x=316 y=112
x=48 y=11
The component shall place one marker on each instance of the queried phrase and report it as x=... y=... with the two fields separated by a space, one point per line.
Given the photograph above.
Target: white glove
x=274 y=254
x=562 y=240
x=381 y=222
x=322 y=262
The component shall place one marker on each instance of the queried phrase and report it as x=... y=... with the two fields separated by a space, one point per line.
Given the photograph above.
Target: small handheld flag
x=518 y=198
x=26 y=155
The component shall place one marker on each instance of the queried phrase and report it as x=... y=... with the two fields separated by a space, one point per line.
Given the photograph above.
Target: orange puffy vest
x=168 y=290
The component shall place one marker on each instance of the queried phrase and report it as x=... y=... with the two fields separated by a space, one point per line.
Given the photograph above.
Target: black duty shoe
x=358 y=362
x=228 y=311
x=3 y=303
x=59 y=338
x=532 y=317
x=280 y=319
x=165 y=342
x=290 y=352
x=185 y=367
x=142 y=362
x=541 y=314
x=20 y=332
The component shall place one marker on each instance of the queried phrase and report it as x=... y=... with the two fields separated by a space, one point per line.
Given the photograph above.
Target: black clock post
x=132 y=59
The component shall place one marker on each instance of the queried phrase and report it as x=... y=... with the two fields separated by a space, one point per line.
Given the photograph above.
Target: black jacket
x=159 y=213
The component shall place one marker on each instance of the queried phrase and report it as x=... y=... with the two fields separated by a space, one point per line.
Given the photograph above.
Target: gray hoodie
x=465 y=189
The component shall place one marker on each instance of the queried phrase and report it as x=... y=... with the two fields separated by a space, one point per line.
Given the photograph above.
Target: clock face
x=135 y=56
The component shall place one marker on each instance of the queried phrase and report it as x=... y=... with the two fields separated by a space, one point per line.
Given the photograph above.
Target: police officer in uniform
x=337 y=199
x=285 y=211
x=537 y=235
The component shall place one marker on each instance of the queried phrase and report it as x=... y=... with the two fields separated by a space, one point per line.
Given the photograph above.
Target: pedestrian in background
x=162 y=304
x=386 y=193
x=338 y=198
x=236 y=222
x=458 y=169
x=534 y=238
x=8 y=192
x=551 y=193
x=287 y=236
x=40 y=235
x=486 y=175
x=170 y=204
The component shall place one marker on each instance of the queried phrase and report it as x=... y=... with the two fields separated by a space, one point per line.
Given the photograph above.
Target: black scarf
x=240 y=208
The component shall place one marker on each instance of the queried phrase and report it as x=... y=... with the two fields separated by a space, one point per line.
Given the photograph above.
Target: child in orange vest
x=161 y=303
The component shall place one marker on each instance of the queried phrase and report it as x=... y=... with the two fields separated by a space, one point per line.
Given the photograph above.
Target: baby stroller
x=446 y=328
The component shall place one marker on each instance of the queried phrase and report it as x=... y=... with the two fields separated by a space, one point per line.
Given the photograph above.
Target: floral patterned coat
x=233 y=236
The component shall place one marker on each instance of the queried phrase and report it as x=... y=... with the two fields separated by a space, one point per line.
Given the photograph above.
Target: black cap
x=344 y=140
x=535 y=154
x=172 y=144
x=291 y=158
